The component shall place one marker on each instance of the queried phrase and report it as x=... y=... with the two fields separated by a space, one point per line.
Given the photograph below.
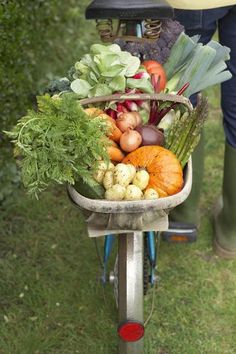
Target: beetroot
x=151 y=135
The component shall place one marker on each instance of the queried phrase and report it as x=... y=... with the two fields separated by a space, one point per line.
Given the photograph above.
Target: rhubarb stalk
x=154 y=104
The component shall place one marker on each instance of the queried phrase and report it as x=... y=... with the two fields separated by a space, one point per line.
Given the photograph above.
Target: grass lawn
x=52 y=303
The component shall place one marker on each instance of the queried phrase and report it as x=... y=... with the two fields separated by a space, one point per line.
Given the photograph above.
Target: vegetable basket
x=104 y=216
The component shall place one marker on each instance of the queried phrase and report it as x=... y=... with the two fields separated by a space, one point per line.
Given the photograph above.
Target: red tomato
x=153 y=67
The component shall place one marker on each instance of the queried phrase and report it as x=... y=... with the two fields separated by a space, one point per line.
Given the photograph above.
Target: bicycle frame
x=130 y=280
x=108 y=246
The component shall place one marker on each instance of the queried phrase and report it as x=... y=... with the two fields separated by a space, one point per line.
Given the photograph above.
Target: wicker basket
x=104 y=216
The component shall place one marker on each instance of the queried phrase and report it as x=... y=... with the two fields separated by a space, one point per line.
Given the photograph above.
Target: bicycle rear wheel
x=130 y=287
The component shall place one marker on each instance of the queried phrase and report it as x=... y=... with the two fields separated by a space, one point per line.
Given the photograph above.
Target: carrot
x=93 y=111
x=115 y=133
x=115 y=153
x=113 y=143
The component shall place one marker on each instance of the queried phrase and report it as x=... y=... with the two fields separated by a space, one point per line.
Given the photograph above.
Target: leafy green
x=118 y=83
x=58 y=85
x=59 y=143
x=81 y=87
x=105 y=70
x=142 y=84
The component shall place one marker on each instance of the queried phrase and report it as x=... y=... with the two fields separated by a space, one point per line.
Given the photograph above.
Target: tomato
x=153 y=67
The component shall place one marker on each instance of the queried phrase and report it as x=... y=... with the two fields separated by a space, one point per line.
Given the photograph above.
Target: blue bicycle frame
x=151 y=242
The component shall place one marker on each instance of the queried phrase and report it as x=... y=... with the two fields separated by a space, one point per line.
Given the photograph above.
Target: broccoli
x=158 y=49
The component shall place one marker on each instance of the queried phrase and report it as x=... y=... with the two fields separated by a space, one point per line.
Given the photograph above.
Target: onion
x=138 y=118
x=130 y=140
x=151 y=135
x=128 y=120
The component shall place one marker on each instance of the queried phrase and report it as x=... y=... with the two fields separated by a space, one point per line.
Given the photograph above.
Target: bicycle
x=136 y=257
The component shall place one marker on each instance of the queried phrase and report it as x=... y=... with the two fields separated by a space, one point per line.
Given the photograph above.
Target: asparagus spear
x=176 y=132
x=185 y=130
x=172 y=130
x=184 y=134
x=199 y=116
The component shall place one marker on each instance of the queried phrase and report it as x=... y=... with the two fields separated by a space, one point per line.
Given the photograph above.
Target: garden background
x=50 y=299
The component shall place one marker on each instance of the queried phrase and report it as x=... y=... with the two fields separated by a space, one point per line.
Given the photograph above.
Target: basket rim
x=141 y=96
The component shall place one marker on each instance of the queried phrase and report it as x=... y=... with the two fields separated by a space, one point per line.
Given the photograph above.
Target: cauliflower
x=141 y=179
x=150 y=193
x=133 y=193
x=116 y=192
x=122 y=174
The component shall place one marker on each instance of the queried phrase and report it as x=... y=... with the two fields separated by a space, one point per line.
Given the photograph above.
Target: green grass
x=52 y=303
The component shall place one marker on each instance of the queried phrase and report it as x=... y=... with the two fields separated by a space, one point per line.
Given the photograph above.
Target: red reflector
x=131 y=331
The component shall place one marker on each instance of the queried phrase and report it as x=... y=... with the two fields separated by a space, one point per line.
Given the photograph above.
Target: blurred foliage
x=40 y=40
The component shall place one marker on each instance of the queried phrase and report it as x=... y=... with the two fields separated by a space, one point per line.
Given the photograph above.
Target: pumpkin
x=165 y=171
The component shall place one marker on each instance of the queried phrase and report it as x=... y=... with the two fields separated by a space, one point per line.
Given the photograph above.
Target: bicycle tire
x=146 y=268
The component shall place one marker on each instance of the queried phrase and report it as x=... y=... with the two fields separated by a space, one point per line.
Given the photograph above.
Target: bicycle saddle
x=129 y=9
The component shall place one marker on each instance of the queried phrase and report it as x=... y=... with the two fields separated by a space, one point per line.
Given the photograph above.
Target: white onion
x=130 y=140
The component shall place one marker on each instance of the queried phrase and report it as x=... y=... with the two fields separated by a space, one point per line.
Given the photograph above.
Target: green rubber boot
x=188 y=212
x=225 y=210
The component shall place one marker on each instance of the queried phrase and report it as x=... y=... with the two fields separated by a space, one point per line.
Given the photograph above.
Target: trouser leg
x=204 y=24
x=225 y=213
x=227 y=37
x=225 y=209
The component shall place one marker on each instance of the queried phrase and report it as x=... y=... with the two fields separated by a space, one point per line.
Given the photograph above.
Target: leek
x=200 y=65
x=179 y=52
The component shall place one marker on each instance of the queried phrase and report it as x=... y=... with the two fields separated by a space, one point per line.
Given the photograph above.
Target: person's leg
x=205 y=24
x=227 y=37
x=225 y=214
